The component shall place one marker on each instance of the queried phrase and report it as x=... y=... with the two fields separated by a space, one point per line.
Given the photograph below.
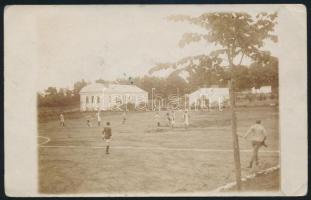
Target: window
x=118 y=100
x=109 y=99
x=87 y=99
x=98 y=99
x=92 y=99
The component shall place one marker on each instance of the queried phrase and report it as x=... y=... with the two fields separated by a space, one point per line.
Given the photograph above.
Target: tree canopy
x=235 y=36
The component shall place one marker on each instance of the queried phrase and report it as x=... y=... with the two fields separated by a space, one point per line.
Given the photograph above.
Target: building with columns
x=98 y=96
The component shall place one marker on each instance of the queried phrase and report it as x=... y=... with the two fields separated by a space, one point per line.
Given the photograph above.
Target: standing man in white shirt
x=257 y=134
x=98 y=118
x=186 y=119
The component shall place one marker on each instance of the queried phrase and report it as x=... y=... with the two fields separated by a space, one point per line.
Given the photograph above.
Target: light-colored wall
x=108 y=100
x=84 y=106
x=135 y=98
x=262 y=90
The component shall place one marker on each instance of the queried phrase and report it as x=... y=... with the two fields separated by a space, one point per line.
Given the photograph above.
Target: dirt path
x=262 y=182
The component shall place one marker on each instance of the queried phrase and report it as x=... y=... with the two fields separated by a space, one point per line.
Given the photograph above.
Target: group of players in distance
x=256 y=134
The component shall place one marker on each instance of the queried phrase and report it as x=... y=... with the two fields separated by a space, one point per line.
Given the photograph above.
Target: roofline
x=112 y=92
x=103 y=90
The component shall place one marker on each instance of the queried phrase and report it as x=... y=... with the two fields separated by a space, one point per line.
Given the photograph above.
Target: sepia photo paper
x=155 y=100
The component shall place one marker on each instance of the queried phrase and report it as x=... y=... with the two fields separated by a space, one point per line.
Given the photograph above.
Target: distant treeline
x=246 y=78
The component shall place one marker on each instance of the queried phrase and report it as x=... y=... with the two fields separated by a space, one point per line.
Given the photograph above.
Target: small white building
x=99 y=96
x=262 y=90
x=212 y=95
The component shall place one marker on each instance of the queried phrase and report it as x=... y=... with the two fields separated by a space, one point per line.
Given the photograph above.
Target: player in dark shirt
x=107 y=133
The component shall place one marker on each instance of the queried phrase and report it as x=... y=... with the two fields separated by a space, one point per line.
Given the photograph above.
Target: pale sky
x=92 y=42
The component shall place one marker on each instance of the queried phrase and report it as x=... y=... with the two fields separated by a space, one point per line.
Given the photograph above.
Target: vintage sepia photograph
x=157 y=100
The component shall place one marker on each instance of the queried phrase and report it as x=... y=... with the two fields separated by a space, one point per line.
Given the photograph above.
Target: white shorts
x=107 y=141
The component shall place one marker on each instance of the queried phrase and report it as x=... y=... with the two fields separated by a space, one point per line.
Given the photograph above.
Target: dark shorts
x=257 y=143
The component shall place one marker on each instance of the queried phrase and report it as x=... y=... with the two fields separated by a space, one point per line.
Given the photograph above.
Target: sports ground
x=146 y=159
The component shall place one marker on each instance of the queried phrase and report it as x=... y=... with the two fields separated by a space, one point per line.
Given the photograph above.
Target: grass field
x=145 y=159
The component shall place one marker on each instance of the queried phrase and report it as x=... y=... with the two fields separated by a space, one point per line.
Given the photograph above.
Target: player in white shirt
x=186 y=119
x=62 y=120
x=98 y=118
x=257 y=135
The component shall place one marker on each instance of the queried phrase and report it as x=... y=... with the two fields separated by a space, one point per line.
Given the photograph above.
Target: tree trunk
x=236 y=148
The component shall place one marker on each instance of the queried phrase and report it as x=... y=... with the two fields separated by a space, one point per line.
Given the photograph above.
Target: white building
x=262 y=90
x=105 y=96
x=211 y=95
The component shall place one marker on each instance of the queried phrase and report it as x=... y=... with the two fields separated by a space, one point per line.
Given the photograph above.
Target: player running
x=107 y=133
x=257 y=134
x=61 y=120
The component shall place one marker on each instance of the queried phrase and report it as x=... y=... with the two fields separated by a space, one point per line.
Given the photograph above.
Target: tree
x=243 y=78
x=264 y=71
x=102 y=81
x=235 y=36
x=78 y=86
x=51 y=91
